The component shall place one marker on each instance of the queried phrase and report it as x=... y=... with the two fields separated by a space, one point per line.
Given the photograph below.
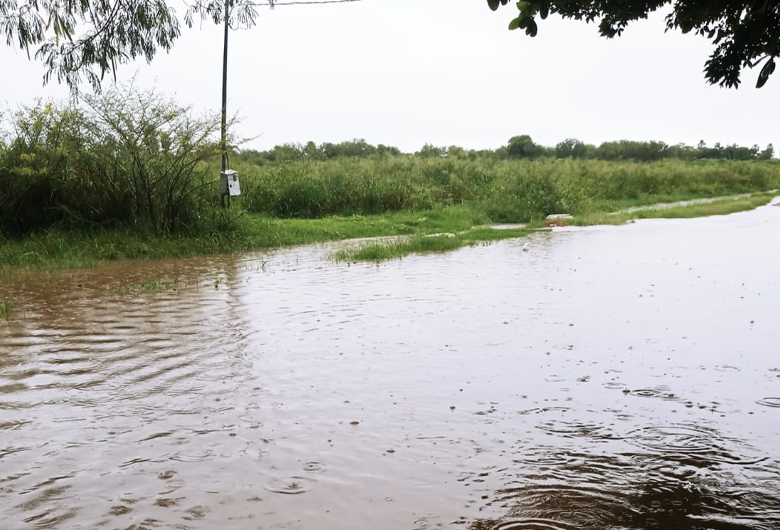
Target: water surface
x=608 y=378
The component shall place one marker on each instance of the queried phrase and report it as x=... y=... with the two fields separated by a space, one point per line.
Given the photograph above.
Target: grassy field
x=82 y=249
x=307 y=202
x=105 y=179
x=512 y=191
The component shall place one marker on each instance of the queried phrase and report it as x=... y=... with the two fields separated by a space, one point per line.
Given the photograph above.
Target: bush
x=130 y=159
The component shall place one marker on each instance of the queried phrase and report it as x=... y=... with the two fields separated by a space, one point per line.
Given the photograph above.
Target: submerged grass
x=148 y=286
x=6 y=309
x=422 y=244
x=717 y=207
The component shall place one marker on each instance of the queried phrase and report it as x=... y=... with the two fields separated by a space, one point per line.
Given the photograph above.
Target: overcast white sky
x=446 y=72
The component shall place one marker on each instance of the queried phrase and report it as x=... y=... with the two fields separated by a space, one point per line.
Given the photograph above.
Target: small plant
x=149 y=286
x=6 y=308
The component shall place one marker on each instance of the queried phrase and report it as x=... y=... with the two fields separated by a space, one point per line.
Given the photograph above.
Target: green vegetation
x=419 y=244
x=88 y=39
x=6 y=308
x=517 y=148
x=424 y=244
x=504 y=190
x=718 y=207
x=148 y=286
x=85 y=248
x=122 y=177
x=117 y=160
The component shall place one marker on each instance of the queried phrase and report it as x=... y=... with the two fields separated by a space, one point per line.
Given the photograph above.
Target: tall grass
x=505 y=190
x=143 y=163
x=135 y=177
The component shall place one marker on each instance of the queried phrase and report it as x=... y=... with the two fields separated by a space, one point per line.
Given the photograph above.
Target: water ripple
x=685 y=440
x=488 y=387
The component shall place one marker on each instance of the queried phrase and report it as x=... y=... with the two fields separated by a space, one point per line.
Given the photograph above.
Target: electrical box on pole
x=228 y=183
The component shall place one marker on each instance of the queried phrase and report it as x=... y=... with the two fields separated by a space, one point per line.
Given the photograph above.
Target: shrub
x=118 y=158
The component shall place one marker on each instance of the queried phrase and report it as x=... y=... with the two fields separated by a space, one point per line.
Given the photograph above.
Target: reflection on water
x=608 y=378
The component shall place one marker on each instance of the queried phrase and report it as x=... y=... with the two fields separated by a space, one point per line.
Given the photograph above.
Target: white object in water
x=554 y=216
x=441 y=234
x=525 y=247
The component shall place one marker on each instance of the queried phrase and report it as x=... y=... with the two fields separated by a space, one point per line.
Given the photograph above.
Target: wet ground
x=608 y=378
x=690 y=202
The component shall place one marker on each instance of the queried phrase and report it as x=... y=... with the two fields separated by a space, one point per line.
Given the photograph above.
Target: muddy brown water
x=608 y=378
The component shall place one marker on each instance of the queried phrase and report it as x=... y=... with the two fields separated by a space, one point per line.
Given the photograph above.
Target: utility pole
x=224 y=103
x=226 y=174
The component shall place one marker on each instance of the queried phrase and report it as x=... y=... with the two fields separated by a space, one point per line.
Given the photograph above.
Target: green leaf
x=493 y=4
x=514 y=24
x=532 y=29
x=544 y=11
x=766 y=71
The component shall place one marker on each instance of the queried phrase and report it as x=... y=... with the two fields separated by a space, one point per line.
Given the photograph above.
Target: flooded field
x=608 y=378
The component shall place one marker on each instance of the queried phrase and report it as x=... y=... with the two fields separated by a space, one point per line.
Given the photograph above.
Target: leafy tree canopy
x=85 y=39
x=744 y=33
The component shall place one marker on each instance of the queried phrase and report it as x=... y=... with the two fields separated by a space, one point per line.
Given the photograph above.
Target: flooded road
x=608 y=378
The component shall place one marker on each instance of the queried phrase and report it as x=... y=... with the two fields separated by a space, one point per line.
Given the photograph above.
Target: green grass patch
x=6 y=310
x=718 y=207
x=421 y=244
x=85 y=249
x=251 y=232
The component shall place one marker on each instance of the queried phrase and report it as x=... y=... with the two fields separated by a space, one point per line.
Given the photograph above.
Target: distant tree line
x=356 y=148
x=518 y=147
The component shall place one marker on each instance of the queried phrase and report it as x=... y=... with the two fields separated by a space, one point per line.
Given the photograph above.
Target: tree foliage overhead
x=744 y=33
x=81 y=40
